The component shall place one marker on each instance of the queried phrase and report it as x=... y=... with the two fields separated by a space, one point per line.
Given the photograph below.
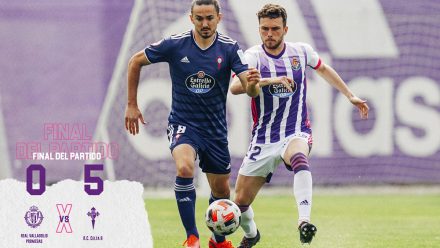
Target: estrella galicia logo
x=296 y=65
x=200 y=82
x=279 y=90
x=33 y=217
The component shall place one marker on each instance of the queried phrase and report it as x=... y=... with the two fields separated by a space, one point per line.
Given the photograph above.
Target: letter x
x=64 y=222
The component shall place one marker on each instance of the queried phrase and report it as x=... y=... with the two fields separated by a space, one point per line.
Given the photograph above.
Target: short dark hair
x=206 y=2
x=273 y=11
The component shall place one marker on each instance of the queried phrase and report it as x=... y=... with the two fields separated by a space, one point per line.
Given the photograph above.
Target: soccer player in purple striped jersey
x=200 y=62
x=281 y=130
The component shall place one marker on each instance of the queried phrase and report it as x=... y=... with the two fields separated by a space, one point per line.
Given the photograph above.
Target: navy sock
x=218 y=238
x=186 y=201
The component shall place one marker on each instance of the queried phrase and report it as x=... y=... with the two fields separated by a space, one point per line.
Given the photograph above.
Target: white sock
x=248 y=223
x=302 y=189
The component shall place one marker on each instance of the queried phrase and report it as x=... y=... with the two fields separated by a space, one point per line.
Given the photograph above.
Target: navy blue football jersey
x=200 y=80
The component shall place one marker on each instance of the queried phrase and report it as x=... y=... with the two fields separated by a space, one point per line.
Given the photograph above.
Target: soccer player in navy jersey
x=281 y=130
x=200 y=63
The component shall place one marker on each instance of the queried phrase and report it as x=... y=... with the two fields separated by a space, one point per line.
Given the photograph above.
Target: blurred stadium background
x=65 y=62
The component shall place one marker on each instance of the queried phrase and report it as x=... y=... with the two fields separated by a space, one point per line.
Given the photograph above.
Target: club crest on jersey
x=296 y=65
x=200 y=82
x=279 y=90
x=219 y=62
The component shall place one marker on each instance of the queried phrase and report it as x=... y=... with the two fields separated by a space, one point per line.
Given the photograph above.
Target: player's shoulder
x=180 y=36
x=226 y=40
x=176 y=40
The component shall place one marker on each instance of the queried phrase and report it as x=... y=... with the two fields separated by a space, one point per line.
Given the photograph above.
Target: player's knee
x=240 y=200
x=185 y=170
x=185 y=166
x=298 y=162
x=221 y=193
x=221 y=190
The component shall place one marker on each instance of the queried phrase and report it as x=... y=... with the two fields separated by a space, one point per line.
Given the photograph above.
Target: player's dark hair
x=206 y=2
x=272 y=11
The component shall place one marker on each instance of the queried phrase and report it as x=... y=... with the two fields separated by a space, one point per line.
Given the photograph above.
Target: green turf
x=401 y=221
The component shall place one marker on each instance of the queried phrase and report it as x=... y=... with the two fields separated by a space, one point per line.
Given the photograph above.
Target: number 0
x=30 y=177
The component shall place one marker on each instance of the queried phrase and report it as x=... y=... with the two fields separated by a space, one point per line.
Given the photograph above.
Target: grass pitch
x=363 y=221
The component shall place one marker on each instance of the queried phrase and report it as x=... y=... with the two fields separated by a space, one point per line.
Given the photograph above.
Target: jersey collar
x=194 y=41
x=273 y=56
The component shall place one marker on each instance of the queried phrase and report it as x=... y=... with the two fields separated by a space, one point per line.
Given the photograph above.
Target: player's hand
x=132 y=115
x=253 y=76
x=361 y=105
x=286 y=81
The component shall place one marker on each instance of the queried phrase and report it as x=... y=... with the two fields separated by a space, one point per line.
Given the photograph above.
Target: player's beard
x=205 y=34
x=272 y=44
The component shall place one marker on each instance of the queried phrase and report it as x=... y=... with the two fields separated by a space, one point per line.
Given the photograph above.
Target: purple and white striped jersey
x=278 y=113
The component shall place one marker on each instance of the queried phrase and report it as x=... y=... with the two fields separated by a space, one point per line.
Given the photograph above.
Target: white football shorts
x=262 y=159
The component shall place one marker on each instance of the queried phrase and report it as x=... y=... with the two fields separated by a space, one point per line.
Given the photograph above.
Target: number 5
x=88 y=168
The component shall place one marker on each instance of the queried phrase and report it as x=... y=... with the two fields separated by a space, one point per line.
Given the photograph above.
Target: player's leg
x=219 y=184
x=255 y=171
x=215 y=163
x=296 y=159
x=184 y=156
x=246 y=189
x=295 y=156
x=184 y=151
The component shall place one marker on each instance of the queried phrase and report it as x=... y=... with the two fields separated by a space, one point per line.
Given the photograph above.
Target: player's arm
x=132 y=112
x=248 y=76
x=333 y=78
x=246 y=82
x=249 y=81
x=237 y=88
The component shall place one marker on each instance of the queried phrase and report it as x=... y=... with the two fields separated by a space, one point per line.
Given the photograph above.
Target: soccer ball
x=223 y=217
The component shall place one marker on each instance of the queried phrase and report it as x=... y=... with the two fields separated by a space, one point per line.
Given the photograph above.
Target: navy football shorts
x=213 y=154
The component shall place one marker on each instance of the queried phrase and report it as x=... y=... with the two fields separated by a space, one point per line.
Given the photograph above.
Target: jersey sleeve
x=313 y=59
x=159 y=51
x=238 y=61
